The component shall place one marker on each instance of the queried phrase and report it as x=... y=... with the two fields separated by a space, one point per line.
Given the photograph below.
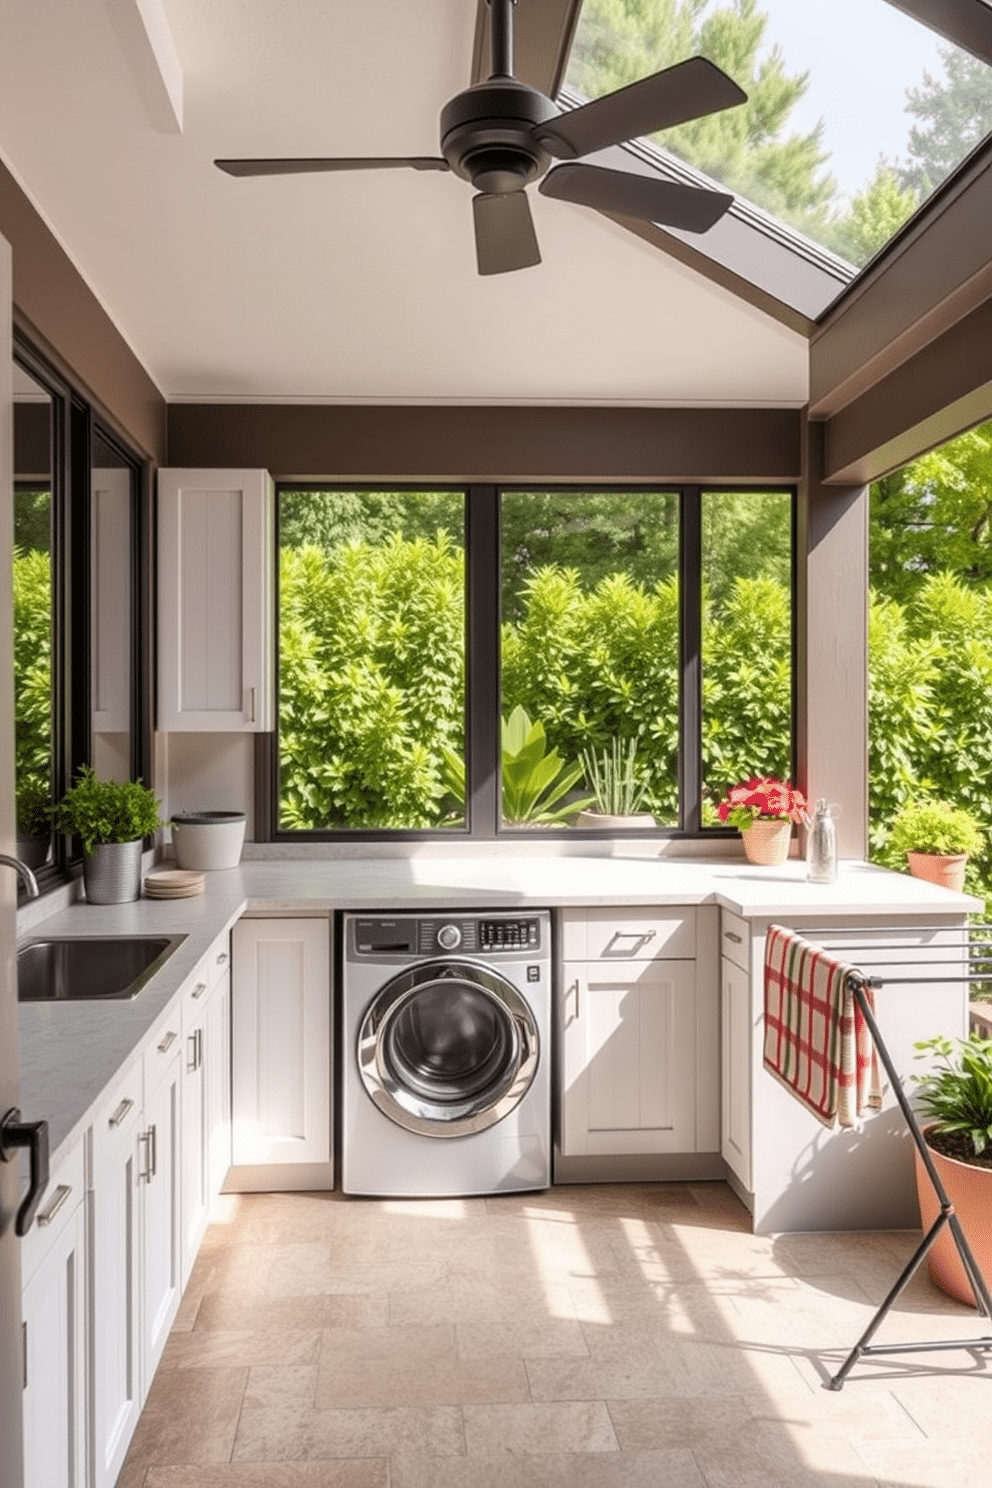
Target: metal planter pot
x=112 y=872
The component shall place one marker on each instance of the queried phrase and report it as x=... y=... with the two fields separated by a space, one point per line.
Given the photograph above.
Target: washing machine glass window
x=448 y=1048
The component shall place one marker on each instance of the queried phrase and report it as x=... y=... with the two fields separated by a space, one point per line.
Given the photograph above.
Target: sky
x=862 y=56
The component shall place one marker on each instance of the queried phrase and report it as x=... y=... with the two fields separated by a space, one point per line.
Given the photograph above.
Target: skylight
x=856 y=111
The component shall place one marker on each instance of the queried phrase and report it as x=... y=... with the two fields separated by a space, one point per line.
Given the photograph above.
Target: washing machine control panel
x=475 y=936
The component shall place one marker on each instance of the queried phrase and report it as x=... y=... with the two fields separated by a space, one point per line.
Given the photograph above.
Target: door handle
x=15 y=1134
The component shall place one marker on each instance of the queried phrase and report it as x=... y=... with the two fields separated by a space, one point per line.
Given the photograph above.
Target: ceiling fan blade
x=689 y=90
x=670 y=203
x=308 y=166
x=504 y=233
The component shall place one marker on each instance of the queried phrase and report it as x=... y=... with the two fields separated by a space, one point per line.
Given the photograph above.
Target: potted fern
x=111 y=818
x=936 y=839
x=618 y=792
x=956 y=1093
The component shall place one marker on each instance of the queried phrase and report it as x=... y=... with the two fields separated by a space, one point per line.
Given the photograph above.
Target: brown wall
x=489 y=443
x=54 y=307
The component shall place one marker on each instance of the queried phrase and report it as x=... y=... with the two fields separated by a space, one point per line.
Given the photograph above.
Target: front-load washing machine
x=446 y=1053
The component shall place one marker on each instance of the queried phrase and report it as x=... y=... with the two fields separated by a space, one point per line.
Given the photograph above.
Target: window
x=80 y=630
x=467 y=661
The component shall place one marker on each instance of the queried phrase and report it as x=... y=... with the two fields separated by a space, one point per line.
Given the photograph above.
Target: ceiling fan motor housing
x=487 y=135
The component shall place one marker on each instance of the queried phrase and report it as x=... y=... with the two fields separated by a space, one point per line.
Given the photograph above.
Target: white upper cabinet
x=215 y=601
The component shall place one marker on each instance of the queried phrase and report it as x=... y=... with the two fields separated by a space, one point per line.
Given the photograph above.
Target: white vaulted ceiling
x=337 y=287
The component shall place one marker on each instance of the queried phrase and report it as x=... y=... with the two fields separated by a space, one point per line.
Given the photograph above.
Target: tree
x=955 y=114
x=874 y=215
x=934 y=515
x=746 y=149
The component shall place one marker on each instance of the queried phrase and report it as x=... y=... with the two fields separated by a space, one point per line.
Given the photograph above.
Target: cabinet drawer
x=162 y=1051
x=640 y=935
x=735 y=939
x=61 y=1199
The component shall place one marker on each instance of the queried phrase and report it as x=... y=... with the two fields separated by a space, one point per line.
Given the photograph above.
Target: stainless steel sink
x=85 y=968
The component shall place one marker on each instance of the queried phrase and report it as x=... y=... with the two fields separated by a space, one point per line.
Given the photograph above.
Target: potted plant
x=763 y=809
x=110 y=817
x=936 y=839
x=957 y=1093
x=34 y=820
x=618 y=793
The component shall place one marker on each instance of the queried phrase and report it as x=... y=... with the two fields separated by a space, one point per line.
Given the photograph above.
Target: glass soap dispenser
x=821 y=848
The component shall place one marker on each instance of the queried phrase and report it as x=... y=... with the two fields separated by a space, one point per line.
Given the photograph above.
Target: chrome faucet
x=24 y=872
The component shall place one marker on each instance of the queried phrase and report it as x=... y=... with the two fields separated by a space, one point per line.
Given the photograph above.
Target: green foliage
x=613 y=778
x=34 y=806
x=32 y=665
x=98 y=811
x=874 y=215
x=371 y=682
x=535 y=779
x=929 y=826
x=747 y=685
x=954 y=113
x=957 y=1092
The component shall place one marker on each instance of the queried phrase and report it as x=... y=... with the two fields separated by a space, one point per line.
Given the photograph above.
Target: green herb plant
x=100 y=811
x=957 y=1092
x=612 y=777
x=929 y=826
x=34 y=807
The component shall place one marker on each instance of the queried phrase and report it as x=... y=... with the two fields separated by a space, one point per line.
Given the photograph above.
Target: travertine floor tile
x=676 y=1469
x=523 y=1337
x=190 y=1416
x=526 y=1430
x=359 y=1472
x=206 y=1348
x=273 y=1434
x=233 y=1313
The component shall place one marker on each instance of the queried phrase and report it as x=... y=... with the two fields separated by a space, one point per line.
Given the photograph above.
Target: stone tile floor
x=634 y=1335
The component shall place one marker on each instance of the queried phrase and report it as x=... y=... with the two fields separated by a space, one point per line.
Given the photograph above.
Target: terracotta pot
x=970 y=1191
x=609 y=823
x=766 y=843
x=944 y=869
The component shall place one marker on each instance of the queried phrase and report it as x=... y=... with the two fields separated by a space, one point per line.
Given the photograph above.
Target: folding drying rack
x=860 y=982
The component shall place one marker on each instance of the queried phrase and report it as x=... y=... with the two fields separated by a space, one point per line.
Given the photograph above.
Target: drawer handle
x=221 y=957
x=121 y=1111
x=251 y=705
x=199 y=990
x=58 y=1199
x=732 y=935
x=147 y=1140
x=167 y=1042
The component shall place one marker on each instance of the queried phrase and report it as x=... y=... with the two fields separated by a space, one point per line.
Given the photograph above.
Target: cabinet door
x=281 y=1042
x=114 y=1279
x=735 y=1071
x=216 y=637
x=158 y=1175
x=628 y=1058
x=194 y=1198
x=54 y=1400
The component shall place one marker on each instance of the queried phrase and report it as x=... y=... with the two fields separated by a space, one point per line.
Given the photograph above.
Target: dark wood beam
x=966 y=23
x=543 y=31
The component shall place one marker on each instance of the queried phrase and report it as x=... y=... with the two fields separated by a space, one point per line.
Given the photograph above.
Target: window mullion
x=482 y=693
x=690 y=658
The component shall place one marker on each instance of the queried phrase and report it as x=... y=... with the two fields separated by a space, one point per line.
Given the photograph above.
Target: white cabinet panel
x=159 y=1194
x=628 y=1058
x=281 y=1042
x=54 y=1312
x=206 y=1097
x=737 y=1021
x=216 y=596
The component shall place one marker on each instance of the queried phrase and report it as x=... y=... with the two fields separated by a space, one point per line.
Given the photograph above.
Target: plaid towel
x=816 y=1039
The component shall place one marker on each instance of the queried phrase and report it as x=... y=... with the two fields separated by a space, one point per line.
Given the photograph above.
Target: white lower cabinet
x=206 y=1098
x=281 y=1053
x=628 y=1026
x=737 y=1030
x=53 y=1260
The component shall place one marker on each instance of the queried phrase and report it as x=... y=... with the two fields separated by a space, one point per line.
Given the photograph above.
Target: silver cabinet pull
x=121 y=1111
x=147 y=1139
x=58 y=1199
x=199 y=1048
x=199 y=990
x=221 y=957
x=167 y=1042
x=191 y=1052
x=153 y=1135
x=251 y=705
x=732 y=935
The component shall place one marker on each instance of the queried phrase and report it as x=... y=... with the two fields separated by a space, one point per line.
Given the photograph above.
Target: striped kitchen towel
x=816 y=1039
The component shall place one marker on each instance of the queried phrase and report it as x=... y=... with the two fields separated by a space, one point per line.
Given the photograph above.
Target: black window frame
x=74 y=423
x=483 y=694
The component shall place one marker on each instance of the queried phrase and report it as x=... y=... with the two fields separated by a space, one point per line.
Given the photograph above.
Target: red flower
x=761 y=796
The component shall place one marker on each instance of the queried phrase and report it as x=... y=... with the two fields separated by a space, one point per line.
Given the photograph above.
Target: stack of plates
x=174 y=883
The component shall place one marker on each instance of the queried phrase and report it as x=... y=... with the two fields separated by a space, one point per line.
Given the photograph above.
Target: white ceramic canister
x=208 y=839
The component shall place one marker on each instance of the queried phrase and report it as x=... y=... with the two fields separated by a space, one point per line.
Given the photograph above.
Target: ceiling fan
x=501 y=134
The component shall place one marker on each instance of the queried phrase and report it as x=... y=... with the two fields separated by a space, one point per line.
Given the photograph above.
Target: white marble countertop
x=72 y=1053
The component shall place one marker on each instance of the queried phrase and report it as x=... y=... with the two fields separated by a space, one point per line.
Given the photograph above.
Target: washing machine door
x=448 y=1048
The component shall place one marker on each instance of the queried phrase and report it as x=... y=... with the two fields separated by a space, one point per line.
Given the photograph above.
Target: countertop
x=71 y=1054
